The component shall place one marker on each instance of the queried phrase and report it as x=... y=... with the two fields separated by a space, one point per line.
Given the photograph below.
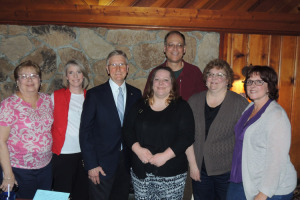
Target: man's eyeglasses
x=216 y=75
x=27 y=76
x=178 y=46
x=256 y=82
x=117 y=65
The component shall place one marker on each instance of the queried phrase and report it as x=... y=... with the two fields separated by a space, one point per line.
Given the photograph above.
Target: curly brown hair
x=219 y=64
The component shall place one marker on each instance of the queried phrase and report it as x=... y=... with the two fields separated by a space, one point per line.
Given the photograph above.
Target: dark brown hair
x=149 y=89
x=268 y=75
x=176 y=33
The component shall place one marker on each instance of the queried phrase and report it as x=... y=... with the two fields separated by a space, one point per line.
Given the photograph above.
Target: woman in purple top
x=261 y=167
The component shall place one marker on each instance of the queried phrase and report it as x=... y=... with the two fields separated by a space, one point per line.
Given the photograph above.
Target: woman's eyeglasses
x=256 y=82
x=216 y=75
x=27 y=76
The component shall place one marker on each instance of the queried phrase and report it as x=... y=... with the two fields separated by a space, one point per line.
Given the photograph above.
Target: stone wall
x=52 y=46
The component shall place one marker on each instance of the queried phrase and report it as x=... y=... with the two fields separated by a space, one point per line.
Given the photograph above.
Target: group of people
x=93 y=144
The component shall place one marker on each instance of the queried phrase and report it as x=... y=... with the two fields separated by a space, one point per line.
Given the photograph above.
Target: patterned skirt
x=158 y=188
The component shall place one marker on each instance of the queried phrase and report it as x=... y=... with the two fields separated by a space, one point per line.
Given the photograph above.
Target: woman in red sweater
x=68 y=170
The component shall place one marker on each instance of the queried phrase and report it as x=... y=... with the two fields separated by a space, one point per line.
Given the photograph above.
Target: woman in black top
x=159 y=129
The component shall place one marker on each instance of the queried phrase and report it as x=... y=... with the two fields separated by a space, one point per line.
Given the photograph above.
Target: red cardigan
x=62 y=99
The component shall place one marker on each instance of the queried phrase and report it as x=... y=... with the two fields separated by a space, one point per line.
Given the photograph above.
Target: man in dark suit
x=100 y=133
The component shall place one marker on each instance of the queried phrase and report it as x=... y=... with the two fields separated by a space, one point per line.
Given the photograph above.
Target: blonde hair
x=86 y=80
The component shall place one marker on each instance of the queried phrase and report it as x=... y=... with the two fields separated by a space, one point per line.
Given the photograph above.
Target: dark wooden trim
x=223 y=46
x=149 y=18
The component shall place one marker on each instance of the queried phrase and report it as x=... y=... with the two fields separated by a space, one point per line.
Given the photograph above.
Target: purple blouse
x=240 y=129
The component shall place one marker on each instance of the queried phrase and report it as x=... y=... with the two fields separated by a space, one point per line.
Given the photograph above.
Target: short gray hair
x=116 y=53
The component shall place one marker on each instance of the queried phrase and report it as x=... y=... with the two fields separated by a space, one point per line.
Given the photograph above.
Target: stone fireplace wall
x=52 y=46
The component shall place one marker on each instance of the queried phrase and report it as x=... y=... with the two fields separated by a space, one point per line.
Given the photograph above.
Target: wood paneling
x=104 y=2
x=24 y=12
x=261 y=44
x=283 y=54
x=264 y=6
x=237 y=51
x=287 y=69
x=295 y=149
x=197 y=4
x=274 y=6
x=275 y=53
x=153 y=3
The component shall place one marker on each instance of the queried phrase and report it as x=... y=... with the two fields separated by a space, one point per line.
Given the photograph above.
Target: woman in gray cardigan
x=261 y=166
x=216 y=111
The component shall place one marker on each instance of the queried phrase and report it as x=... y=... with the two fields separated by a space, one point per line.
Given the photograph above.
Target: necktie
x=120 y=105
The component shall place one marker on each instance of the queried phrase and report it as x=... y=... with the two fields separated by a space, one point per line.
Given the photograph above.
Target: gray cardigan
x=266 y=165
x=218 y=148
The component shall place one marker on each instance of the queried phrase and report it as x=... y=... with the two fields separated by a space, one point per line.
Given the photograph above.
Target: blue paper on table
x=50 y=195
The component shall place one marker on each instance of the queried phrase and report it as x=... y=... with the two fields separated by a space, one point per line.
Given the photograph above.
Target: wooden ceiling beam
x=151 y=18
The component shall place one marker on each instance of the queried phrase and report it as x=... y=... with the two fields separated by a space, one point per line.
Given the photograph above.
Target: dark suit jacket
x=100 y=128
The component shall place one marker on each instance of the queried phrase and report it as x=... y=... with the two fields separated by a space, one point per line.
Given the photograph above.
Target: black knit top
x=158 y=130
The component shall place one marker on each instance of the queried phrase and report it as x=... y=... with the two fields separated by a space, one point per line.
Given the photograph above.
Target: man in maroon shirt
x=188 y=76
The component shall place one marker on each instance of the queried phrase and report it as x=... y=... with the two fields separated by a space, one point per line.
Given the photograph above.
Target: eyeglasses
x=216 y=75
x=117 y=65
x=178 y=46
x=256 y=82
x=27 y=76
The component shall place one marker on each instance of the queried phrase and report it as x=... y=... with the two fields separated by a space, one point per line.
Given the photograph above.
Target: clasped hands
x=146 y=156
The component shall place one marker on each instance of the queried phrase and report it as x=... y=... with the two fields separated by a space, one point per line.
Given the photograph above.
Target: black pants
x=30 y=180
x=114 y=188
x=69 y=175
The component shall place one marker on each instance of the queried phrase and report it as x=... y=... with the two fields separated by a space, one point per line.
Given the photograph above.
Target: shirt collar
x=115 y=87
